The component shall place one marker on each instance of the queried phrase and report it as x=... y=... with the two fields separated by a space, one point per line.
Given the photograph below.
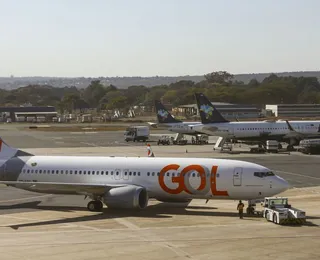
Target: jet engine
x=127 y=197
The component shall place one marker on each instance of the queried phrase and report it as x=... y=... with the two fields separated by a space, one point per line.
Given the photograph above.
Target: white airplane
x=129 y=182
x=172 y=124
x=213 y=123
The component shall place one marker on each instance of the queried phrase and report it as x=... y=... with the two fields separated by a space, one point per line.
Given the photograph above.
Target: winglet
x=290 y=127
x=208 y=113
x=149 y=150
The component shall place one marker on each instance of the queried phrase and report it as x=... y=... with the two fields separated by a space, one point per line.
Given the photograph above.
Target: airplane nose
x=281 y=184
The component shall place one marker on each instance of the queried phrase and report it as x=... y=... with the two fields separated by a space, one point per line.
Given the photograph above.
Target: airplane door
x=231 y=131
x=125 y=174
x=237 y=177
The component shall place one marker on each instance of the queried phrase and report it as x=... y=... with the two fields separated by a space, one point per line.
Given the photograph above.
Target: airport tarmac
x=41 y=226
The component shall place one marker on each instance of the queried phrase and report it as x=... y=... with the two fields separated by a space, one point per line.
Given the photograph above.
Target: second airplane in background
x=165 y=119
x=213 y=123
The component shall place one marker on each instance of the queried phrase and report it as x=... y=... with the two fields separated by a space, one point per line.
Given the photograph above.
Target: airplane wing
x=294 y=133
x=72 y=188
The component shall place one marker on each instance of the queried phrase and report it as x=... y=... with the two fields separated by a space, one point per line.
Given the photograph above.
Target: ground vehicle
x=164 y=140
x=182 y=141
x=277 y=210
x=200 y=139
x=310 y=146
x=272 y=146
x=137 y=133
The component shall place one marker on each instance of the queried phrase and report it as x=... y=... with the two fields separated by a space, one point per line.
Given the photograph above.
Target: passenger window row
x=76 y=172
x=86 y=172
x=264 y=128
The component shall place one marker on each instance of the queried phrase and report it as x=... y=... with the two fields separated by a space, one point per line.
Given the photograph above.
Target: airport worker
x=240 y=209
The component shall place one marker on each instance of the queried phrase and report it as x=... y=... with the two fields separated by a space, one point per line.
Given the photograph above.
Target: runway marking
x=28 y=198
x=149 y=237
x=90 y=144
x=81 y=226
x=297 y=174
x=20 y=218
x=126 y=229
x=127 y=223
x=113 y=241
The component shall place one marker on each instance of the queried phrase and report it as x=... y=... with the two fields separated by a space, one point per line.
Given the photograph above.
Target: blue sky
x=157 y=37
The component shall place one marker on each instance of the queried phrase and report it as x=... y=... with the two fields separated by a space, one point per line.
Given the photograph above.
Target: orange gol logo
x=207 y=180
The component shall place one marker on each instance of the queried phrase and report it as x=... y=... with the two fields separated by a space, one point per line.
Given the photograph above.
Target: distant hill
x=124 y=82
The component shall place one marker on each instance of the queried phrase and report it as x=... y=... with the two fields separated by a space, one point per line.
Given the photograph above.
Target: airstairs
x=222 y=144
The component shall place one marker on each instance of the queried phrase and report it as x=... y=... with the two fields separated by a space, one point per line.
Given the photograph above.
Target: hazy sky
x=157 y=37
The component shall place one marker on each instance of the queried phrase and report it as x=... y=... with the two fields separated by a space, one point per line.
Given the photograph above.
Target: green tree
x=69 y=101
x=219 y=77
x=93 y=93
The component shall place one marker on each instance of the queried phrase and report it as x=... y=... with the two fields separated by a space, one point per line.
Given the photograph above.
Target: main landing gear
x=95 y=205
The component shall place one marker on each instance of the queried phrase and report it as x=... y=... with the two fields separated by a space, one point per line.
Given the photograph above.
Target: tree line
x=219 y=86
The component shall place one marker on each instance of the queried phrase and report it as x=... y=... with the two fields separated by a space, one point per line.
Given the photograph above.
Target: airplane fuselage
x=182 y=128
x=163 y=178
x=258 y=130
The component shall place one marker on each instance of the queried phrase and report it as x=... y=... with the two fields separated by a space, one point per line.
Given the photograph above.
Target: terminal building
x=229 y=111
x=27 y=114
x=294 y=110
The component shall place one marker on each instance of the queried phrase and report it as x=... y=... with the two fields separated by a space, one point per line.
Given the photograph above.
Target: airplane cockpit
x=263 y=174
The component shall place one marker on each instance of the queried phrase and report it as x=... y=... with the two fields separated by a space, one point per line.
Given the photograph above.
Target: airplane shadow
x=158 y=211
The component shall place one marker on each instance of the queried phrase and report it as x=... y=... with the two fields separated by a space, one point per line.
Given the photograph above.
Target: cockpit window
x=263 y=174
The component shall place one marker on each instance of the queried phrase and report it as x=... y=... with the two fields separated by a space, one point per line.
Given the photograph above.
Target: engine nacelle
x=127 y=197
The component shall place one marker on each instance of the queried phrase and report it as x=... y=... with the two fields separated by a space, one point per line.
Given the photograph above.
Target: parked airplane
x=172 y=124
x=129 y=182
x=213 y=123
x=300 y=135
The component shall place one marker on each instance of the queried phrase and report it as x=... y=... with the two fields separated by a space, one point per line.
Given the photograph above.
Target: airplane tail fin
x=163 y=114
x=6 y=151
x=149 y=151
x=208 y=113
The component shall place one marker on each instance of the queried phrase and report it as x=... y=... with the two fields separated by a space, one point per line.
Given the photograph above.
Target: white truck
x=278 y=211
x=272 y=146
x=137 y=133
x=310 y=146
